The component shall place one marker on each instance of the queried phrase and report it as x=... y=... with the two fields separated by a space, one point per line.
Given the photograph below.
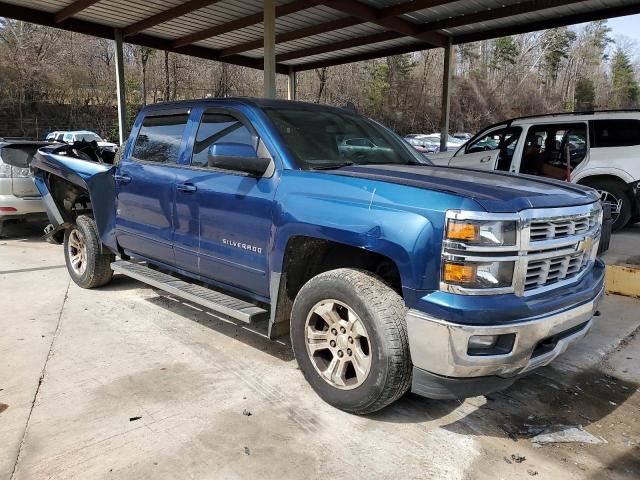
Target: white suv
x=87 y=136
x=599 y=149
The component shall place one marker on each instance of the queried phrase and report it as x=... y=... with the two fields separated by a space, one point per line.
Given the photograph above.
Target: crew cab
x=386 y=273
x=597 y=149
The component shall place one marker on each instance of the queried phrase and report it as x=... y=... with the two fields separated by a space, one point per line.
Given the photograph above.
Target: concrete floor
x=119 y=382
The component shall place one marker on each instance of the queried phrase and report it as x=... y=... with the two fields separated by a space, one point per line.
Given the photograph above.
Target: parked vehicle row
x=388 y=274
x=71 y=137
x=429 y=144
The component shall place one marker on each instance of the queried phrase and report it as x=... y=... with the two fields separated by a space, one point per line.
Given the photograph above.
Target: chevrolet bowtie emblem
x=585 y=245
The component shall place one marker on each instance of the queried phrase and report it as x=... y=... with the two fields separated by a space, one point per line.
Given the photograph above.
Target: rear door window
x=615 y=133
x=160 y=137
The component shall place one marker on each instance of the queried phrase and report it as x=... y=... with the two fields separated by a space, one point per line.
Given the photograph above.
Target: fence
x=35 y=120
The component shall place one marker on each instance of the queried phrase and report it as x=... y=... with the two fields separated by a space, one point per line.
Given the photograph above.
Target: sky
x=627 y=26
x=625 y=32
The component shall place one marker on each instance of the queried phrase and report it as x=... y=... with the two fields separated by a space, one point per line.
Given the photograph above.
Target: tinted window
x=616 y=133
x=219 y=128
x=159 y=138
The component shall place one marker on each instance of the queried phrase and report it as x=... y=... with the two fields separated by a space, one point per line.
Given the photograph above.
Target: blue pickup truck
x=388 y=274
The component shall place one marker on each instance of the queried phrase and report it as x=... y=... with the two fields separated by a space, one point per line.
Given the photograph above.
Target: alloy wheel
x=77 y=249
x=614 y=202
x=338 y=344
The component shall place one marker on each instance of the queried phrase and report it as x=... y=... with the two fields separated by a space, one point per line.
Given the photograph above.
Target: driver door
x=481 y=154
x=492 y=151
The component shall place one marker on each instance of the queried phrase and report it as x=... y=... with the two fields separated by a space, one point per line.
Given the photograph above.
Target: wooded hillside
x=549 y=71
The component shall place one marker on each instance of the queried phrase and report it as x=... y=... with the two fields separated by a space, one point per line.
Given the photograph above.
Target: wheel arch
x=303 y=256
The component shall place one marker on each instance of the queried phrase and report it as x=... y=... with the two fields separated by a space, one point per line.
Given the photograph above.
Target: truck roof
x=250 y=101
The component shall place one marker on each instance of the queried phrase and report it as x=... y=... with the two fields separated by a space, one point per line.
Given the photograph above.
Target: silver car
x=19 y=197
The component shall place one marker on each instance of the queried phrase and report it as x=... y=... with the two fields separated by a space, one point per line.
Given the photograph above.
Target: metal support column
x=291 y=85
x=269 y=22
x=446 y=95
x=120 y=88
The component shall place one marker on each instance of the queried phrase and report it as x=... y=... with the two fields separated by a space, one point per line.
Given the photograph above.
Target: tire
x=384 y=347
x=90 y=267
x=611 y=189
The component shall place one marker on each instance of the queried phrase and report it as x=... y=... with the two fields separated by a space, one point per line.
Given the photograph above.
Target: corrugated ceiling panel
x=455 y=9
x=304 y=18
x=120 y=13
x=322 y=39
x=216 y=14
x=541 y=15
x=353 y=51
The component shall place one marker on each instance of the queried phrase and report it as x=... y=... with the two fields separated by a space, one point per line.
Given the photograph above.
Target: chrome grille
x=554 y=247
x=555 y=269
x=549 y=229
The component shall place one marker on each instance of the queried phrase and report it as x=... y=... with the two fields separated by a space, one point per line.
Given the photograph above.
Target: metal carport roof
x=288 y=36
x=309 y=34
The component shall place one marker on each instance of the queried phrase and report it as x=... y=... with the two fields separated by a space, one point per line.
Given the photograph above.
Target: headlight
x=482 y=232
x=478 y=274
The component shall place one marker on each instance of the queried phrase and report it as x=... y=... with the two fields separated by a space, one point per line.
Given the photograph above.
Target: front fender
x=95 y=178
x=402 y=223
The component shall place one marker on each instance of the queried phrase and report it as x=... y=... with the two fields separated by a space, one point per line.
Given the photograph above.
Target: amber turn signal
x=457 y=273
x=457 y=230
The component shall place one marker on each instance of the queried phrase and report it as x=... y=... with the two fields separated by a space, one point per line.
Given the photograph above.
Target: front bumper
x=439 y=349
x=21 y=206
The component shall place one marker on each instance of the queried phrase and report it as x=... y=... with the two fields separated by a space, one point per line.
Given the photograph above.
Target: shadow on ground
x=546 y=397
x=23 y=231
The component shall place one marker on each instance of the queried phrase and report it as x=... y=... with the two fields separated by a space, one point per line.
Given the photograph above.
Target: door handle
x=122 y=178
x=186 y=187
x=485 y=159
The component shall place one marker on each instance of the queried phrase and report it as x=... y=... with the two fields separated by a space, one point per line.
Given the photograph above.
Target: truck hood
x=494 y=191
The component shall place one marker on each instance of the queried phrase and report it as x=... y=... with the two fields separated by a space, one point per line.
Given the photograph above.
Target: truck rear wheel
x=349 y=336
x=88 y=266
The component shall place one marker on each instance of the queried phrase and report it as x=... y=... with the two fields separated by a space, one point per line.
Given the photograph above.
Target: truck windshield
x=331 y=139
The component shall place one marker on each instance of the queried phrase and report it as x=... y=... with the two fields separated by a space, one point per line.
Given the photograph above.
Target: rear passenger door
x=223 y=218
x=145 y=182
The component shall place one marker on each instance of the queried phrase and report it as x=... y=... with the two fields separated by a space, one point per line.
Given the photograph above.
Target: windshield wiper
x=333 y=166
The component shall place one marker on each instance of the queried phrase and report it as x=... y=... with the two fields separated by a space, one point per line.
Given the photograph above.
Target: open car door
x=487 y=160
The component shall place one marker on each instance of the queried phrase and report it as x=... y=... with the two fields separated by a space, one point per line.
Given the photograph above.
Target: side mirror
x=237 y=157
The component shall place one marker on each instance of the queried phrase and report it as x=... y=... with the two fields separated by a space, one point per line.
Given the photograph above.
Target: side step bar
x=211 y=299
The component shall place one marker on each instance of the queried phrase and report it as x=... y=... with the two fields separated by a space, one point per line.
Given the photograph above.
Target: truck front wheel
x=349 y=336
x=88 y=266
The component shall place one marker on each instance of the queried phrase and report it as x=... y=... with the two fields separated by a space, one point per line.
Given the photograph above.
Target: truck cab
x=387 y=274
